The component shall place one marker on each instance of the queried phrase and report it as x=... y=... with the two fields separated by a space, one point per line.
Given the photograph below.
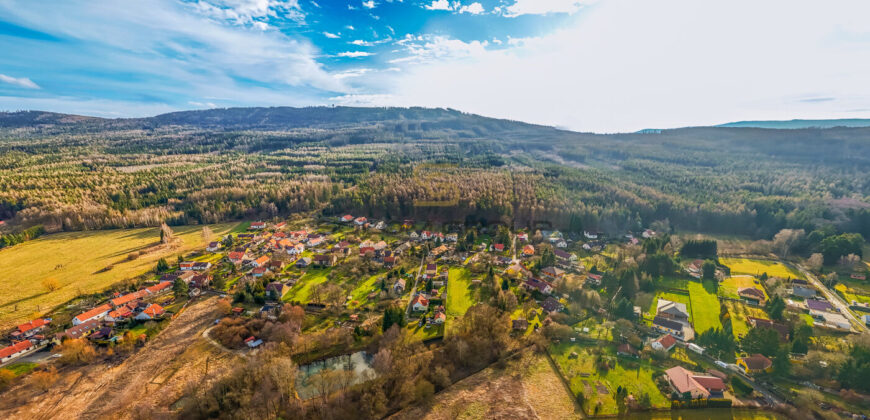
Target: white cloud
x=362 y=43
x=350 y=27
x=369 y=4
x=543 y=7
x=19 y=81
x=625 y=65
x=331 y=35
x=363 y=100
x=354 y=54
x=251 y=12
x=352 y=73
x=202 y=104
x=439 y=5
x=473 y=8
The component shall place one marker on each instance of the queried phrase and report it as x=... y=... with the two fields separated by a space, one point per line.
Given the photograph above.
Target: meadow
x=705 y=306
x=81 y=263
x=757 y=267
x=302 y=291
x=459 y=294
x=673 y=297
x=739 y=317
x=731 y=285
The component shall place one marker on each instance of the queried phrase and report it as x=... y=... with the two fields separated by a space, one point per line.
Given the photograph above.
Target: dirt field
x=147 y=383
x=527 y=388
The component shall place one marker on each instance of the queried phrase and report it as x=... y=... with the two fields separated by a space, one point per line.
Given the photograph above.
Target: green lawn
x=705 y=305
x=423 y=333
x=21 y=368
x=459 y=294
x=850 y=295
x=81 y=262
x=636 y=376
x=731 y=285
x=673 y=297
x=739 y=317
x=756 y=267
x=534 y=322
x=302 y=291
x=361 y=292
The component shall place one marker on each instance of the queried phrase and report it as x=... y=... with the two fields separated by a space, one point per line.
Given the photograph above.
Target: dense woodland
x=73 y=173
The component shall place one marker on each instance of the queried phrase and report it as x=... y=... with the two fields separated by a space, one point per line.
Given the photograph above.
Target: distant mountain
x=798 y=124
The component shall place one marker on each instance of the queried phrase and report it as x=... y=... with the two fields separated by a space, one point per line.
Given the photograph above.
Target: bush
x=740 y=387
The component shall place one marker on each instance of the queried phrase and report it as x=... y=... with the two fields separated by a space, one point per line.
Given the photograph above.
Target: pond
x=334 y=373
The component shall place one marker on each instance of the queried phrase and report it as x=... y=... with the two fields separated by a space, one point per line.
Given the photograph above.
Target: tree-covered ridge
x=68 y=172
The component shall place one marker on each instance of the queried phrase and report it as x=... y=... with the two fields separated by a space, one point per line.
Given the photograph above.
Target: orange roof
x=129 y=297
x=94 y=312
x=422 y=300
x=159 y=286
x=15 y=348
x=154 y=310
x=36 y=323
x=235 y=255
x=528 y=249
x=262 y=260
x=667 y=341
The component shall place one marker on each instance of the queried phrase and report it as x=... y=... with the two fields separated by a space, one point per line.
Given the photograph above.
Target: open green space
x=359 y=295
x=673 y=297
x=21 y=368
x=459 y=294
x=82 y=263
x=423 y=333
x=705 y=305
x=303 y=290
x=757 y=267
x=740 y=314
x=731 y=285
x=851 y=294
x=598 y=386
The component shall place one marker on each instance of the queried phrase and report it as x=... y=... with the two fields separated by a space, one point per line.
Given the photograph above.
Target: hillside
x=798 y=124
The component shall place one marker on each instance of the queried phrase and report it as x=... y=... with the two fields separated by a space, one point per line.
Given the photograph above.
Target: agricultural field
x=304 y=289
x=731 y=285
x=851 y=294
x=757 y=267
x=599 y=387
x=81 y=263
x=740 y=314
x=523 y=387
x=705 y=306
x=459 y=294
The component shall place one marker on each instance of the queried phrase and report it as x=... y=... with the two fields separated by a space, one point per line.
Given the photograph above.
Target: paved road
x=834 y=298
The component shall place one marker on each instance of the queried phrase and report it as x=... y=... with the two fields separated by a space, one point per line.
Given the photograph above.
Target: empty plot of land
x=705 y=305
x=757 y=267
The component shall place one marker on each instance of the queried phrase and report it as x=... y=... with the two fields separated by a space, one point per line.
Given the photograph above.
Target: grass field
x=850 y=295
x=731 y=285
x=77 y=260
x=21 y=368
x=303 y=289
x=673 y=297
x=585 y=379
x=361 y=292
x=459 y=294
x=739 y=317
x=705 y=306
x=756 y=267
x=534 y=322
x=423 y=333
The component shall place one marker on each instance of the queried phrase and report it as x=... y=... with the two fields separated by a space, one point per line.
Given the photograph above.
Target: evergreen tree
x=180 y=288
x=162 y=265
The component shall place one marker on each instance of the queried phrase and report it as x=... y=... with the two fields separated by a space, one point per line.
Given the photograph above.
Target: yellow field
x=731 y=285
x=756 y=267
x=77 y=260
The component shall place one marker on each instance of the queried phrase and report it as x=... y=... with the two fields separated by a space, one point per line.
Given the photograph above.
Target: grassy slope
x=673 y=297
x=301 y=292
x=731 y=285
x=74 y=259
x=756 y=267
x=459 y=297
x=705 y=306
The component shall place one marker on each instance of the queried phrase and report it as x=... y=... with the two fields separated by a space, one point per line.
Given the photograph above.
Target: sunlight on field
x=705 y=306
x=731 y=285
x=79 y=262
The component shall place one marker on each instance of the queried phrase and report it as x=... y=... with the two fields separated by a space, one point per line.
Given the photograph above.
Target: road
x=835 y=299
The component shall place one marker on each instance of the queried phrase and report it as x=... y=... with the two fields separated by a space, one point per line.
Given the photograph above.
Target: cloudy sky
x=591 y=65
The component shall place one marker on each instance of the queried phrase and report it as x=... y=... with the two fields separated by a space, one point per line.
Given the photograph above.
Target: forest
x=64 y=172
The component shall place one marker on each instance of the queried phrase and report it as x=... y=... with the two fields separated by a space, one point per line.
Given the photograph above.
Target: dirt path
x=148 y=381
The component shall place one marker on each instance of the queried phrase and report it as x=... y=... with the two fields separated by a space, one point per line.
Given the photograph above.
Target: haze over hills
x=798 y=124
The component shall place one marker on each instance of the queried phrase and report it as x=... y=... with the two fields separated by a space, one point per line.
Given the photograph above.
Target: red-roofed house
x=236 y=257
x=99 y=312
x=161 y=287
x=420 y=303
x=15 y=350
x=151 y=312
x=697 y=386
x=129 y=297
x=31 y=328
x=665 y=343
x=186 y=265
x=359 y=221
x=498 y=247
x=261 y=262
x=528 y=250
x=258 y=225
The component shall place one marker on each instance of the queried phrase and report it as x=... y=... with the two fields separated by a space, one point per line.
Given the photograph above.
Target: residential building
x=257 y=225
x=399 y=286
x=420 y=303
x=276 y=291
x=540 y=285
x=755 y=363
x=325 y=260
x=152 y=311
x=552 y=273
x=213 y=247
x=804 y=292
x=664 y=343
x=819 y=305
x=31 y=328
x=550 y=304
x=15 y=350
x=261 y=261
x=685 y=382
x=96 y=313
x=751 y=294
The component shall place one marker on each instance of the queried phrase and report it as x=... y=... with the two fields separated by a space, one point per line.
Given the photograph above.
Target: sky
x=586 y=65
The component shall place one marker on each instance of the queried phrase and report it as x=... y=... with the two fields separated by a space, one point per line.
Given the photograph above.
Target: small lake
x=358 y=364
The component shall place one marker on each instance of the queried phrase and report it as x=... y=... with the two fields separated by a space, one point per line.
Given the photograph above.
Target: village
x=348 y=273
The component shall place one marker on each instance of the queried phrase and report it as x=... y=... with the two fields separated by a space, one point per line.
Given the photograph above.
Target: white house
x=420 y=303
x=15 y=350
x=151 y=312
x=99 y=312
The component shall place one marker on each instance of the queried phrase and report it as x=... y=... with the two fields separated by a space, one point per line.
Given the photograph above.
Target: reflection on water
x=334 y=373
x=708 y=414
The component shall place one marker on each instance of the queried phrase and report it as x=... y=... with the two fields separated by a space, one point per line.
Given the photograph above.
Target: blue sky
x=595 y=65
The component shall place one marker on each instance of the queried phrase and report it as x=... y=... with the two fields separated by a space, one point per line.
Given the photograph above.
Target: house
x=664 y=343
x=590 y=235
x=295 y=249
x=121 y=314
x=259 y=271
x=389 y=262
x=866 y=319
x=162 y=287
x=276 y=265
x=551 y=305
x=672 y=310
x=858 y=276
x=420 y=303
x=520 y=324
x=648 y=233
x=261 y=262
x=553 y=273
x=832 y=320
x=253 y=342
x=754 y=364
x=276 y=291
x=315 y=240
x=186 y=265
x=751 y=294
x=31 y=328
x=782 y=329
x=257 y=225
x=237 y=257
x=325 y=260
x=528 y=250
x=626 y=350
x=560 y=243
x=439 y=318
x=213 y=247
x=342 y=247
x=280 y=225
x=438 y=251
x=819 y=305
x=129 y=297
x=399 y=286
x=15 y=350
x=303 y=262
x=346 y=218
x=431 y=271
x=685 y=382
x=79 y=331
x=542 y=286
x=201 y=266
x=804 y=292
x=593 y=279
x=96 y=313
x=452 y=237
x=104 y=333
x=153 y=311
x=522 y=236
x=498 y=247
x=563 y=257
x=414 y=235
x=407 y=224
x=359 y=221
x=681 y=331
x=380 y=225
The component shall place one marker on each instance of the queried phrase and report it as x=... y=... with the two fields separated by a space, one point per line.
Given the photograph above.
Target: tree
x=166 y=234
x=815 y=261
x=775 y=307
x=6 y=377
x=218 y=281
x=180 y=288
x=786 y=240
x=834 y=247
x=45 y=379
x=162 y=265
x=50 y=284
x=207 y=234
x=77 y=351
x=393 y=315
x=761 y=340
x=709 y=270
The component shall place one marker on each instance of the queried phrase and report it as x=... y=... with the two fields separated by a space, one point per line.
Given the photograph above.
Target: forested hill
x=71 y=172
x=794 y=124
